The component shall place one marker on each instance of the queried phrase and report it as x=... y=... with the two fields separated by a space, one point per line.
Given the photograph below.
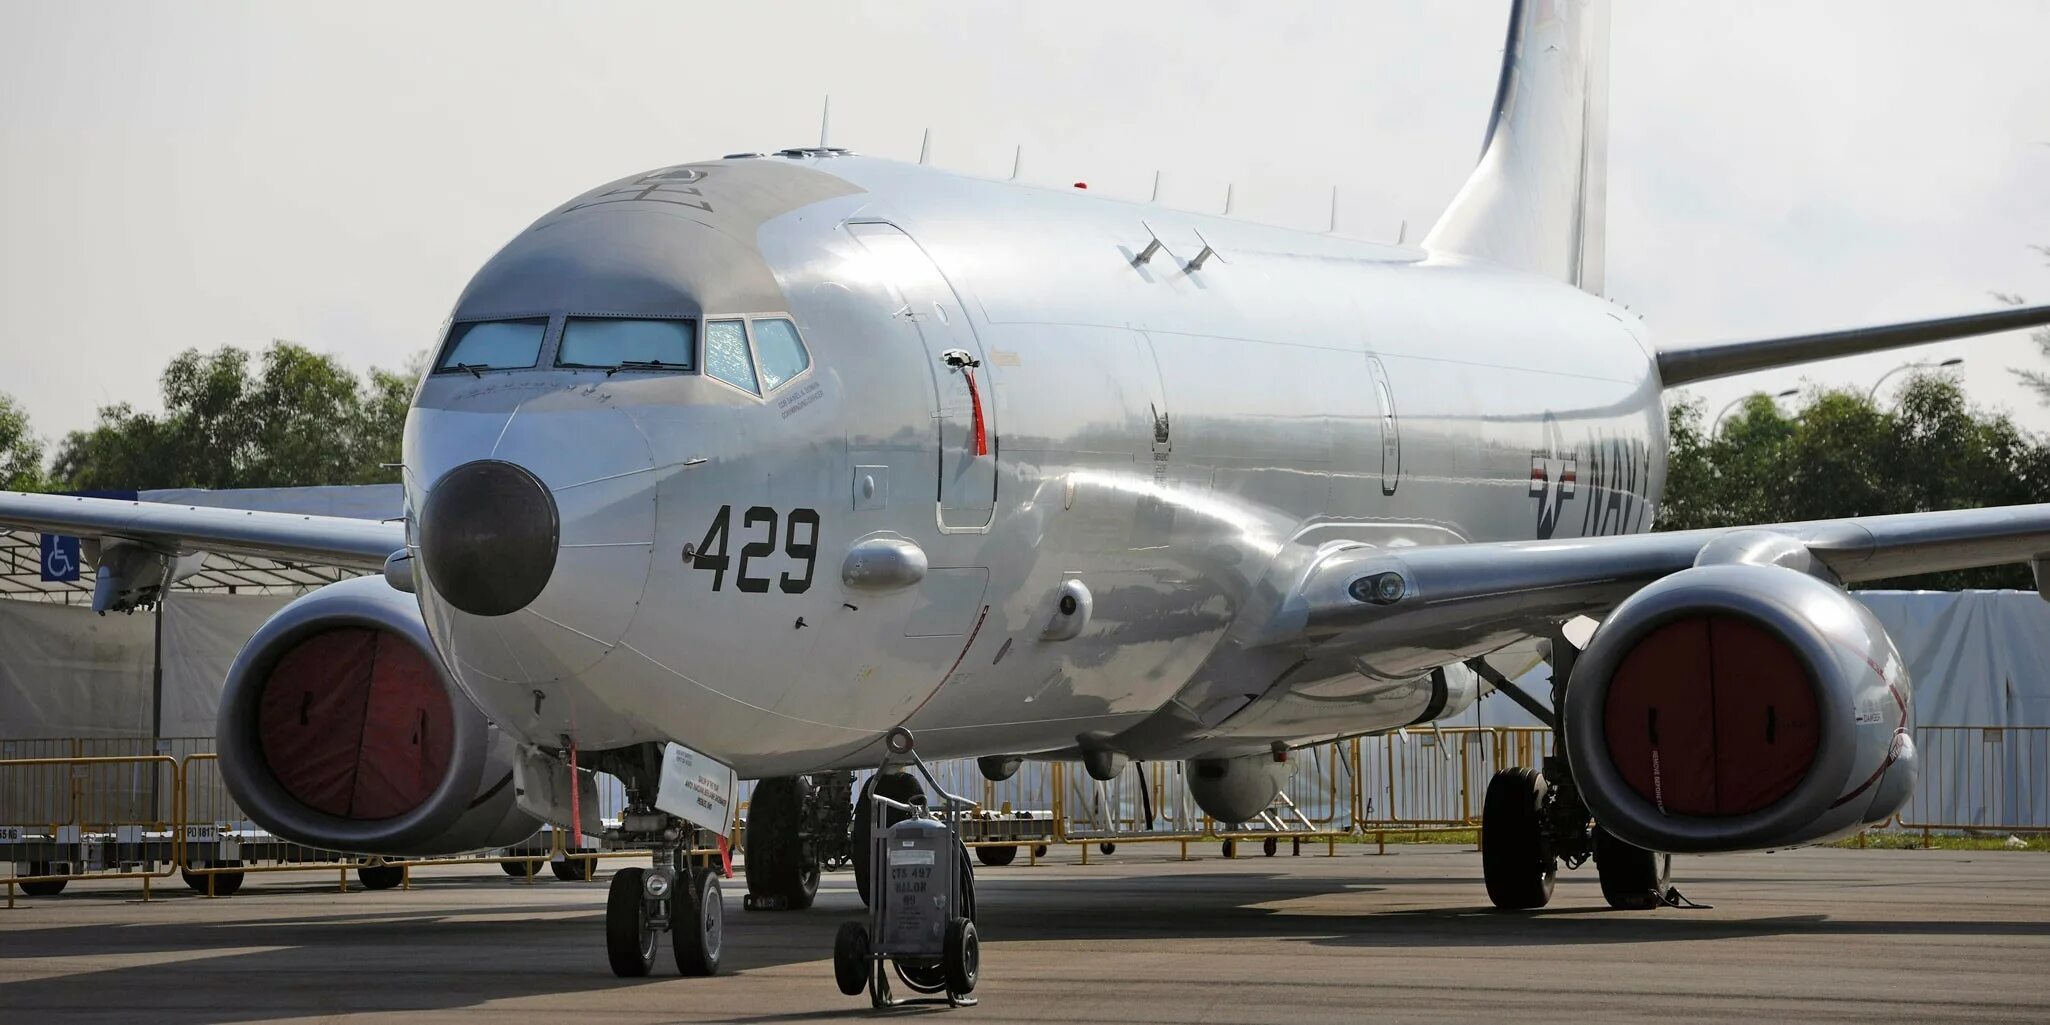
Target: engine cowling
x=1739 y=707
x=339 y=728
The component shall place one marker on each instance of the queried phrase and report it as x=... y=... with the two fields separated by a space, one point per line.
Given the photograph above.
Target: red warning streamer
x=975 y=396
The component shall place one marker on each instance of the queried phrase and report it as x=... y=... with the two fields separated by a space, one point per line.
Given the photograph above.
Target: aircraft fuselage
x=1168 y=434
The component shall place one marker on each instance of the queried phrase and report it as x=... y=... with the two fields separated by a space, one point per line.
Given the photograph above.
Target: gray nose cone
x=487 y=537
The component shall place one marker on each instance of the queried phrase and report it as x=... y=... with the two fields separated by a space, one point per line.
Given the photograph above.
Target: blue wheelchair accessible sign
x=60 y=558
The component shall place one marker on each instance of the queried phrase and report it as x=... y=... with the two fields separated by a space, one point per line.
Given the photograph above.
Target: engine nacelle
x=1234 y=790
x=1739 y=707
x=340 y=729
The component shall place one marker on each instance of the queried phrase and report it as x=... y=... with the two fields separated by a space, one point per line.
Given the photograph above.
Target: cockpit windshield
x=493 y=345
x=622 y=343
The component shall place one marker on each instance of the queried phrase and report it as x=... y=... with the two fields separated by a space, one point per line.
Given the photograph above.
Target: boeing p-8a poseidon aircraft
x=765 y=456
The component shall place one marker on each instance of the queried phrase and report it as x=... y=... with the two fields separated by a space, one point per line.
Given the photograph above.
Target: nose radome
x=488 y=533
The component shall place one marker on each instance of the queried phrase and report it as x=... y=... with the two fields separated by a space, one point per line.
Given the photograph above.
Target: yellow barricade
x=94 y=816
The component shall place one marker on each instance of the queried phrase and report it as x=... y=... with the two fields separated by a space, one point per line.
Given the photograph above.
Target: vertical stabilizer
x=1537 y=200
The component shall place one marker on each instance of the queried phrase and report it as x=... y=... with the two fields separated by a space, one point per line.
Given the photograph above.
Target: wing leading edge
x=1403 y=611
x=140 y=542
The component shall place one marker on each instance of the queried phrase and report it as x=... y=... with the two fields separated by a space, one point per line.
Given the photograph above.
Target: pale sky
x=195 y=174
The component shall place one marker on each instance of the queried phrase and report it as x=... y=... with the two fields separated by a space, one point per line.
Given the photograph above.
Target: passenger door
x=964 y=407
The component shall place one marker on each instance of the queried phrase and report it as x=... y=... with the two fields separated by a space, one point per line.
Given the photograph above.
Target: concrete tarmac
x=1138 y=937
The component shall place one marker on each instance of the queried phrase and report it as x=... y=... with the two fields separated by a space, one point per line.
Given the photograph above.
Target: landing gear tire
x=996 y=857
x=569 y=870
x=629 y=936
x=1231 y=848
x=225 y=883
x=515 y=869
x=897 y=786
x=1107 y=848
x=697 y=918
x=1516 y=861
x=962 y=957
x=1633 y=879
x=851 y=958
x=380 y=877
x=1269 y=846
x=43 y=887
x=779 y=864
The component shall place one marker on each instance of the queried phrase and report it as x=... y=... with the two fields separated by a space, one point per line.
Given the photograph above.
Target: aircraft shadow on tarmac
x=456 y=954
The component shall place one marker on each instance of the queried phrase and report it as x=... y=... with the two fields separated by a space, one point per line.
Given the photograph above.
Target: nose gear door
x=964 y=407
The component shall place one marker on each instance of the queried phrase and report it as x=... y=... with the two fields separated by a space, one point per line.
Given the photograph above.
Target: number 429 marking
x=710 y=554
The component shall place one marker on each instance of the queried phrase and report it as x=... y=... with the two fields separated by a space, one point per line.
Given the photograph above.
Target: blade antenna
x=1228 y=188
x=1333 y=229
x=925 y=148
x=825 y=120
x=1017 y=160
x=1155 y=198
x=1402 y=232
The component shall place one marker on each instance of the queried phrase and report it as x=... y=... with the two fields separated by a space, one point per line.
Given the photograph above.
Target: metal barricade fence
x=1990 y=778
x=83 y=816
x=133 y=808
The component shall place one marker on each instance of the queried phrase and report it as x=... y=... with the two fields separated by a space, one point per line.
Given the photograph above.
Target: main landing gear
x=1531 y=821
x=797 y=826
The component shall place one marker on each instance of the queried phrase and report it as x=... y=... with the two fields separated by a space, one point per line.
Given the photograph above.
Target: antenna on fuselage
x=1155 y=198
x=1227 y=199
x=1402 y=233
x=825 y=120
x=1333 y=229
x=1017 y=160
x=925 y=147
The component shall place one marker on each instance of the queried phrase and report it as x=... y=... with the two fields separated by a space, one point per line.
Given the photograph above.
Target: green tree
x=21 y=452
x=1842 y=455
x=296 y=419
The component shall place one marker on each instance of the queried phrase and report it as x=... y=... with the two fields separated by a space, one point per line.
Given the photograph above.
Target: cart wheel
x=1107 y=848
x=963 y=958
x=1039 y=850
x=515 y=869
x=569 y=870
x=851 y=963
x=698 y=918
x=996 y=857
x=1269 y=846
x=1231 y=848
x=45 y=888
x=380 y=877
x=1295 y=847
x=629 y=939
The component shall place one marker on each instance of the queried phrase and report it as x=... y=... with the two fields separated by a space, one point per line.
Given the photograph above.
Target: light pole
x=1873 y=395
x=1718 y=421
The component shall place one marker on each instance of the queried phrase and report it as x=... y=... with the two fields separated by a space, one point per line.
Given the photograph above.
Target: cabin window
x=625 y=343
x=492 y=345
x=780 y=350
x=726 y=355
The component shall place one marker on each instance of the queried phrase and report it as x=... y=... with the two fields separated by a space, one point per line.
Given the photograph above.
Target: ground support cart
x=922 y=916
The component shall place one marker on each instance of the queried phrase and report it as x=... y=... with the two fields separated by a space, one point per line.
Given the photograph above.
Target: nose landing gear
x=677 y=894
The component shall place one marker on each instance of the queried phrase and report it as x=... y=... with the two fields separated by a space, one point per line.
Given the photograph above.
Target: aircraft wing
x=1403 y=610
x=160 y=533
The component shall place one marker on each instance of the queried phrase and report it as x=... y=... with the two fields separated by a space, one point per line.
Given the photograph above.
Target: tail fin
x=1538 y=199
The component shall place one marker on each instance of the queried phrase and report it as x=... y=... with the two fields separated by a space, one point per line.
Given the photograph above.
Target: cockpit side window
x=726 y=355
x=625 y=343
x=781 y=351
x=492 y=345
